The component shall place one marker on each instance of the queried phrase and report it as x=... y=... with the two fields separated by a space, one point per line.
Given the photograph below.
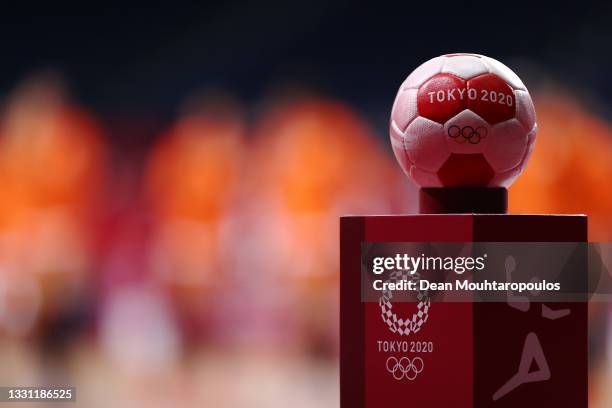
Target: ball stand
x=467 y=354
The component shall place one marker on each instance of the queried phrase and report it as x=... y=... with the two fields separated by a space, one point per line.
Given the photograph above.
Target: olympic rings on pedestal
x=405 y=367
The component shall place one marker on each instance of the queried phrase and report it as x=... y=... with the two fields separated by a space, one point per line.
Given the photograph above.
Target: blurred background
x=172 y=179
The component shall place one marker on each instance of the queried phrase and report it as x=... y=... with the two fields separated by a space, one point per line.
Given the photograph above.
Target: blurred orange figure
x=195 y=166
x=51 y=164
x=51 y=153
x=316 y=153
x=313 y=160
x=571 y=166
x=193 y=176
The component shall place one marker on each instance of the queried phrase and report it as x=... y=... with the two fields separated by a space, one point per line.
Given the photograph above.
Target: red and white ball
x=463 y=120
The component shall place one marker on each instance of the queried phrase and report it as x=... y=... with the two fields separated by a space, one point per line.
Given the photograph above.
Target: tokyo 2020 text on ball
x=463 y=127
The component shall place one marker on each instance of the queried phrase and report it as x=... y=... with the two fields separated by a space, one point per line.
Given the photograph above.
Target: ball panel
x=525 y=111
x=465 y=66
x=395 y=132
x=506 y=146
x=424 y=178
x=405 y=108
x=465 y=170
x=425 y=144
x=491 y=98
x=402 y=156
x=423 y=73
x=505 y=179
x=442 y=97
x=466 y=133
x=531 y=138
x=505 y=73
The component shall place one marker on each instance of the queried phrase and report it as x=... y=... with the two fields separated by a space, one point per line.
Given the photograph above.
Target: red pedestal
x=467 y=354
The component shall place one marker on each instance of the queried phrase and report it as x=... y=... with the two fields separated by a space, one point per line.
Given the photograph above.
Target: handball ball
x=463 y=120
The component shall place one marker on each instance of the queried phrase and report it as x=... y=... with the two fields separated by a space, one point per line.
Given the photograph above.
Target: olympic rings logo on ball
x=405 y=367
x=467 y=133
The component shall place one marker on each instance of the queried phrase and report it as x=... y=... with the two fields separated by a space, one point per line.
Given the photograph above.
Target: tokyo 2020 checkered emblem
x=412 y=324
